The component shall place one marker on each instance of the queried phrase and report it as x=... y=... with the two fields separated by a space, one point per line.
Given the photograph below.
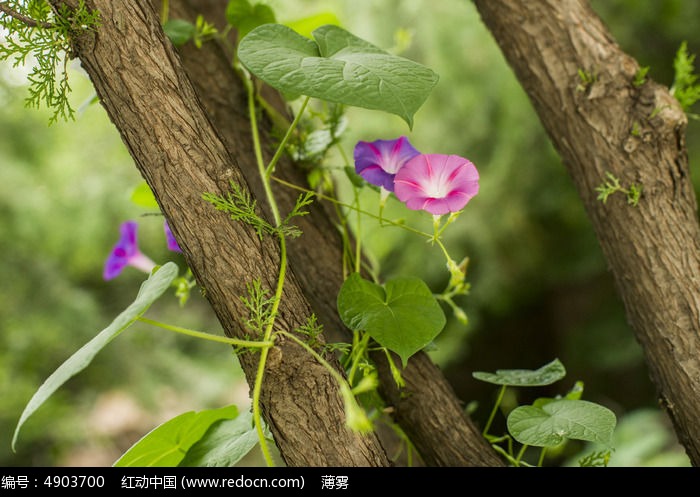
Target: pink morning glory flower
x=378 y=161
x=126 y=253
x=170 y=239
x=436 y=183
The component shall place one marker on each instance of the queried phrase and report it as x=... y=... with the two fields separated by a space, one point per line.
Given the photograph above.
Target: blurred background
x=540 y=286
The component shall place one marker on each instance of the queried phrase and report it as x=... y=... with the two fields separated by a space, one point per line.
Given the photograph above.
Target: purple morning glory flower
x=172 y=243
x=436 y=183
x=378 y=161
x=126 y=253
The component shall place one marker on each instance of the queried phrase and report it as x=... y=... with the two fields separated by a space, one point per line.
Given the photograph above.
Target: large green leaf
x=150 y=290
x=546 y=375
x=549 y=425
x=167 y=445
x=336 y=67
x=224 y=444
x=402 y=316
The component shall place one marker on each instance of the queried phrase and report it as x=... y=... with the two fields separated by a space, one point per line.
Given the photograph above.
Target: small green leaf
x=319 y=141
x=39 y=11
x=685 y=87
x=546 y=375
x=307 y=25
x=542 y=401
x=224 y=444
x=143 y=196
x=402 y=316
x=245 y=17
x=179 y=31
x=556 y=421
x=574 y=394
x=157 y=283
x=356 y=180
x=338 y=67
x=167 y=445
x=576 y=391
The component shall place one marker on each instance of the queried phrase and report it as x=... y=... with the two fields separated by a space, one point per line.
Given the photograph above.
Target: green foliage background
x=540 y=287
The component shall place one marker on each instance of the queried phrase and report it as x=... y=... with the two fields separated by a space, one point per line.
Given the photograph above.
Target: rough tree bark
x=653 y=249
x=142 y=85
x=426 y=408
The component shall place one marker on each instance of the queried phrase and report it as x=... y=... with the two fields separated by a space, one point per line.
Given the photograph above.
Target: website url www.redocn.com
x=242 y=482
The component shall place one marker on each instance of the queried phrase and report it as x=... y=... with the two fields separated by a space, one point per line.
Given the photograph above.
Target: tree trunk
x=147 y=94
x=427 y=409
x=604 y=123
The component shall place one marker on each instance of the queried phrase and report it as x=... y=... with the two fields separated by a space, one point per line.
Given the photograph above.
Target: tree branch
x=653 y=248
x=5 y=7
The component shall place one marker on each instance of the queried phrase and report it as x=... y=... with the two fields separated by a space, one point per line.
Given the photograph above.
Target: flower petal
x=436 y=183
x=126 y=253
x=118 y=258
x=170 y=239
x=378 y=161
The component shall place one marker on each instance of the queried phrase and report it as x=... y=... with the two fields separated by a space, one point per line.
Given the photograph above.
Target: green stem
x=356 y=418
x=283 y=144
x=342 y=218
x=505 y=454
x=395 y=372
x=164 y=11
x=334 y=373
x=521 y=453
x=541 y=459
x=358 y=238
x=264 y=345
x=257 y=415
x=265 y=176
x=257 y=387
x=450 y=219
x=493 y=411
x=353 y=207
x=208 y=336
x=257 y=147
x=444 y=249
x=437 y=233
x=358 y=351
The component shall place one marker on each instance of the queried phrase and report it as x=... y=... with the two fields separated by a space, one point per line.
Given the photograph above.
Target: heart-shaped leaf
x=402 y=316
x=150 y=290
x=224 y=444
x=167 y=445
x=546 y=375
x=555 y=421
x=337 y=67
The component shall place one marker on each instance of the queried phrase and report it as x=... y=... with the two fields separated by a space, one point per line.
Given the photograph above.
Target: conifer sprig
x=38 y=35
